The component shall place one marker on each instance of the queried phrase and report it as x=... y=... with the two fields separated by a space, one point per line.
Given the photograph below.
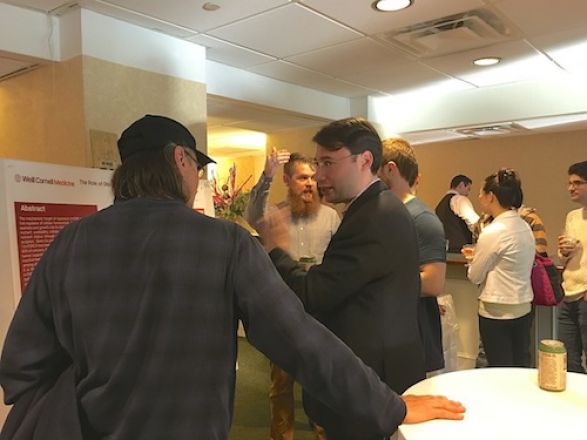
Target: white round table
x=504 y=403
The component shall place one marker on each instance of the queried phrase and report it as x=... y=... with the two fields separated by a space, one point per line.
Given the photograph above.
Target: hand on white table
x=424 y=408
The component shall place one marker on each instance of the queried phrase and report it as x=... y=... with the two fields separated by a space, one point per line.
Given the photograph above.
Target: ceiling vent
x=455 y=33
x=507 y=128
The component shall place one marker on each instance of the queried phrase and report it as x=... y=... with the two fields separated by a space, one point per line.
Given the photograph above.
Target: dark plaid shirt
x=143 y=299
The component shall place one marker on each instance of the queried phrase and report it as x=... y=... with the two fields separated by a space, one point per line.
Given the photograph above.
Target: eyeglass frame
x=576 y=183
x=321 y=164
x=193 y=157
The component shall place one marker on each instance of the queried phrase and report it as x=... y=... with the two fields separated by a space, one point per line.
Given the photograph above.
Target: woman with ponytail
x=501 y=265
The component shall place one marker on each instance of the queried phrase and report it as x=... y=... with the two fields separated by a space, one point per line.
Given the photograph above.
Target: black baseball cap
x=153 y=132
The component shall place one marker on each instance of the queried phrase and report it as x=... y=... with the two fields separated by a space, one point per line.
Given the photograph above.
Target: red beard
x=301 y=207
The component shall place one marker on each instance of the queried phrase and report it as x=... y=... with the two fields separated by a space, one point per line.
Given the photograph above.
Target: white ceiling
x=346 y=48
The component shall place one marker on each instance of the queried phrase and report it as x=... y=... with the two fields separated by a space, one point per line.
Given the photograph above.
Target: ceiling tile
x=288 y=72
x=397 y=78
x=520 y=61
x=545 y=16
x=567 y=48
x=361 y=16
x=41 y=5
x=191 y=15
x=285 y=31
x=355 y=56
x=228 y=53
x=145 y=21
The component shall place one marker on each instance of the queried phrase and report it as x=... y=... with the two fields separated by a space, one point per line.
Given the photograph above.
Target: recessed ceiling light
x=210 y=7
x=391 y=5
x=487 y=61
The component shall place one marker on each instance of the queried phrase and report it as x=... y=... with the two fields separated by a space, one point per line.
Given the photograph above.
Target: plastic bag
x=450 y=333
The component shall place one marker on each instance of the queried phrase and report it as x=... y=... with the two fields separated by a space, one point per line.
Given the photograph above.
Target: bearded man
x=311 y=226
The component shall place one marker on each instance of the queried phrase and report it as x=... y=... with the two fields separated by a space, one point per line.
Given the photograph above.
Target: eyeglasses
x=194 y=159
x=328 y=164
x=577 y=183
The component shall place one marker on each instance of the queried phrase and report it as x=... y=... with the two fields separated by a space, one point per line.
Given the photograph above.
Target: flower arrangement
x=229 y=201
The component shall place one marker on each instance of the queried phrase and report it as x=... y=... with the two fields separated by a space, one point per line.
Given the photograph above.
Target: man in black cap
x=127 y=328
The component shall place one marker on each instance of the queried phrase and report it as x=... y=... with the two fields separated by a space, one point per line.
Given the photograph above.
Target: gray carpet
x=251 y=408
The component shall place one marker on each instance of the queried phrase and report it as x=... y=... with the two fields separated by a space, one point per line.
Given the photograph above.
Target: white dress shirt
x=462 y=207
x=503 y=260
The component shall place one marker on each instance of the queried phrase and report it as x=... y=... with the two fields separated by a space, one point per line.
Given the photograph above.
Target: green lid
x=552 y=346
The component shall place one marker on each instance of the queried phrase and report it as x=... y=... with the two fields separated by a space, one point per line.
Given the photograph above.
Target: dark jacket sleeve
x=36 y=373
x=32 y=326
x=257 y=201
x=277 y=325
x=355 y=257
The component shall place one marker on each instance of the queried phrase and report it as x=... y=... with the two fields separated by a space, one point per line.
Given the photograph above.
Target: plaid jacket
x=142 y=299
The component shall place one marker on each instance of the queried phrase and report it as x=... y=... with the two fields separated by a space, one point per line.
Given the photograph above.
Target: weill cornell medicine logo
x=42 y=180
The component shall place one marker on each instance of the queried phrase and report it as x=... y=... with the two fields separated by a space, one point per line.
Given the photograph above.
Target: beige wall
x=42 y=115
x=46 y=115
x=541 y=159
x=116 y=95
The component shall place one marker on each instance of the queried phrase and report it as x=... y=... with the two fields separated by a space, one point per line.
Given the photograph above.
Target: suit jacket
x=367 y=292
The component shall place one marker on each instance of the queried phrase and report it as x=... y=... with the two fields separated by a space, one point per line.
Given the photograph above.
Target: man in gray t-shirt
x=399 y=170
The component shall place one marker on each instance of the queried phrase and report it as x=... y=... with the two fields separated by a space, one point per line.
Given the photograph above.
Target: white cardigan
x=503 y=260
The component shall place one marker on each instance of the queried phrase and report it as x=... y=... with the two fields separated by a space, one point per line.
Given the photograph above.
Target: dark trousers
x=506 y=341
x=572 y=327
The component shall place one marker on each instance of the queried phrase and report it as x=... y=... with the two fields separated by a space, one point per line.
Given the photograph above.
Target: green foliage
x=232 y=208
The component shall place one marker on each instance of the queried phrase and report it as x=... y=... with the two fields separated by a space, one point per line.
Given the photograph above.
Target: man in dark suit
x=127 y=328
x=367 y=288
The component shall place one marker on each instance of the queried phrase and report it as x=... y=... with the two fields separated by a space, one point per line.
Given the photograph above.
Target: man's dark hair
x=580 y=169
x=288 y=167
x=506 y=186
x=356 y=134
x=456 y=180
x=149 y=174
x=399 y=151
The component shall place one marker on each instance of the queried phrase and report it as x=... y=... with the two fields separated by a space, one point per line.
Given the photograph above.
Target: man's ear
x=179 y=156
x=367 y=158
x=286 y=179
x=181 y=161
x=390 y=167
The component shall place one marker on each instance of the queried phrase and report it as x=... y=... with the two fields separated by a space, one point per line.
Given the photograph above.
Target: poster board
x=38 y=200
x=204 y=202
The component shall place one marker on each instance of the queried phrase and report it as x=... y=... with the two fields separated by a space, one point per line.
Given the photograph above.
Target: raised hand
x=274 y=160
